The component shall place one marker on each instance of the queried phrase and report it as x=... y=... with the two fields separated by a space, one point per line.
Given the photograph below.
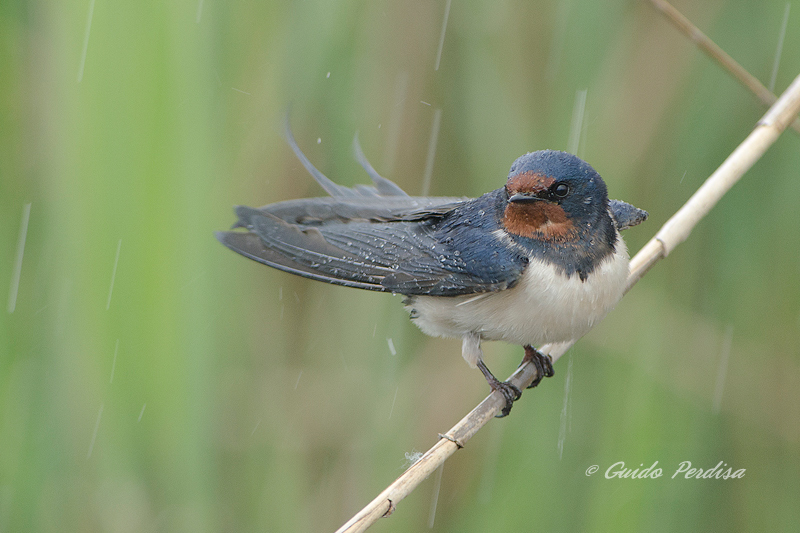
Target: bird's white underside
x=545 y=306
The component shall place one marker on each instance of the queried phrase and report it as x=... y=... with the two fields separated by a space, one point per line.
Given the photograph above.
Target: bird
x=538 y=260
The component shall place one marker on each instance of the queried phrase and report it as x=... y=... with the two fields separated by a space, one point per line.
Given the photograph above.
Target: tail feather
x=383 y=186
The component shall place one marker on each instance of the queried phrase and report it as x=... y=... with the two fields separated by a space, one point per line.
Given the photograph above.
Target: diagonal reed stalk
x=719 y=55
x=675 y=231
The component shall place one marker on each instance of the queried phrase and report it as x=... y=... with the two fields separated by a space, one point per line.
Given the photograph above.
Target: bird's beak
x=523 y=198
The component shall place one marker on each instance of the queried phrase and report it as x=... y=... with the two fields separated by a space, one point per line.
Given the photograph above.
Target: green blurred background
x=206 y=392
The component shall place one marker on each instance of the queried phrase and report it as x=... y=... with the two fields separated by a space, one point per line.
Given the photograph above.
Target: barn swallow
x=539 y=260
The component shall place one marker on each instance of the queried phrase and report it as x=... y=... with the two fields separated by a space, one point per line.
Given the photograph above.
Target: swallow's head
x=553 y=196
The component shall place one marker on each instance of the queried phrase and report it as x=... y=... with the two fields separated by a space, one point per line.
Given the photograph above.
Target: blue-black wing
x=443 y=250
x=379 y=238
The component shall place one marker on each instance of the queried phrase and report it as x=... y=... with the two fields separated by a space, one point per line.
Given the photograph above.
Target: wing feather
x=403 y=256
x=379 y=238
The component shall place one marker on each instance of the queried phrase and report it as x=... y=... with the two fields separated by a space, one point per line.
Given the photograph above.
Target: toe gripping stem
x=543 y=364
x=509 y=391
x=544 y=369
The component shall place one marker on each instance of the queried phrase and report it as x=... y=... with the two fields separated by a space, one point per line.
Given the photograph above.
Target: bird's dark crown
x=553 y=196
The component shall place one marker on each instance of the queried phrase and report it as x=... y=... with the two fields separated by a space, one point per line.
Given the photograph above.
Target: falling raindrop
x=113 y=274
x=565 y=411
x=490 y=463
x=441 y=36
x=437 y=485
x=114 y=362
x=391 y=409
x=23 y=233
x=82 y=63
x=94 y=433
x=576 y=127
x=781 y=37
x=434 y=138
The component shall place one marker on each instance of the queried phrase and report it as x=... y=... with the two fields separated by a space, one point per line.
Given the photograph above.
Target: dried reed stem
x=674 y=232
x=718 y=54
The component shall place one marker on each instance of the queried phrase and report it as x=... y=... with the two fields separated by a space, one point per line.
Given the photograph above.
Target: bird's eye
x=561 y=190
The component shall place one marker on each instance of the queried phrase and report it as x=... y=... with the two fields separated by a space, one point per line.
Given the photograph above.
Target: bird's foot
x=543 y=364
x=509 y=391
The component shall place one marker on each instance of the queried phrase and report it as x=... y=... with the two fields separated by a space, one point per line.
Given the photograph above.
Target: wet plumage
x=538 y=260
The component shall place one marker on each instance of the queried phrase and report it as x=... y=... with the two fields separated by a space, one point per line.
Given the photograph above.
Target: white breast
x=544 y=306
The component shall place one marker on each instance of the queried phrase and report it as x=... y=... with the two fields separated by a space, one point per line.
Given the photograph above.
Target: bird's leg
x=543 y=364
x=509 y=391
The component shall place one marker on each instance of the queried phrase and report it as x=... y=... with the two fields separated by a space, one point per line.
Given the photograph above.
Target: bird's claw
x=543 y=364
x=544 y=369
x=510 y=392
